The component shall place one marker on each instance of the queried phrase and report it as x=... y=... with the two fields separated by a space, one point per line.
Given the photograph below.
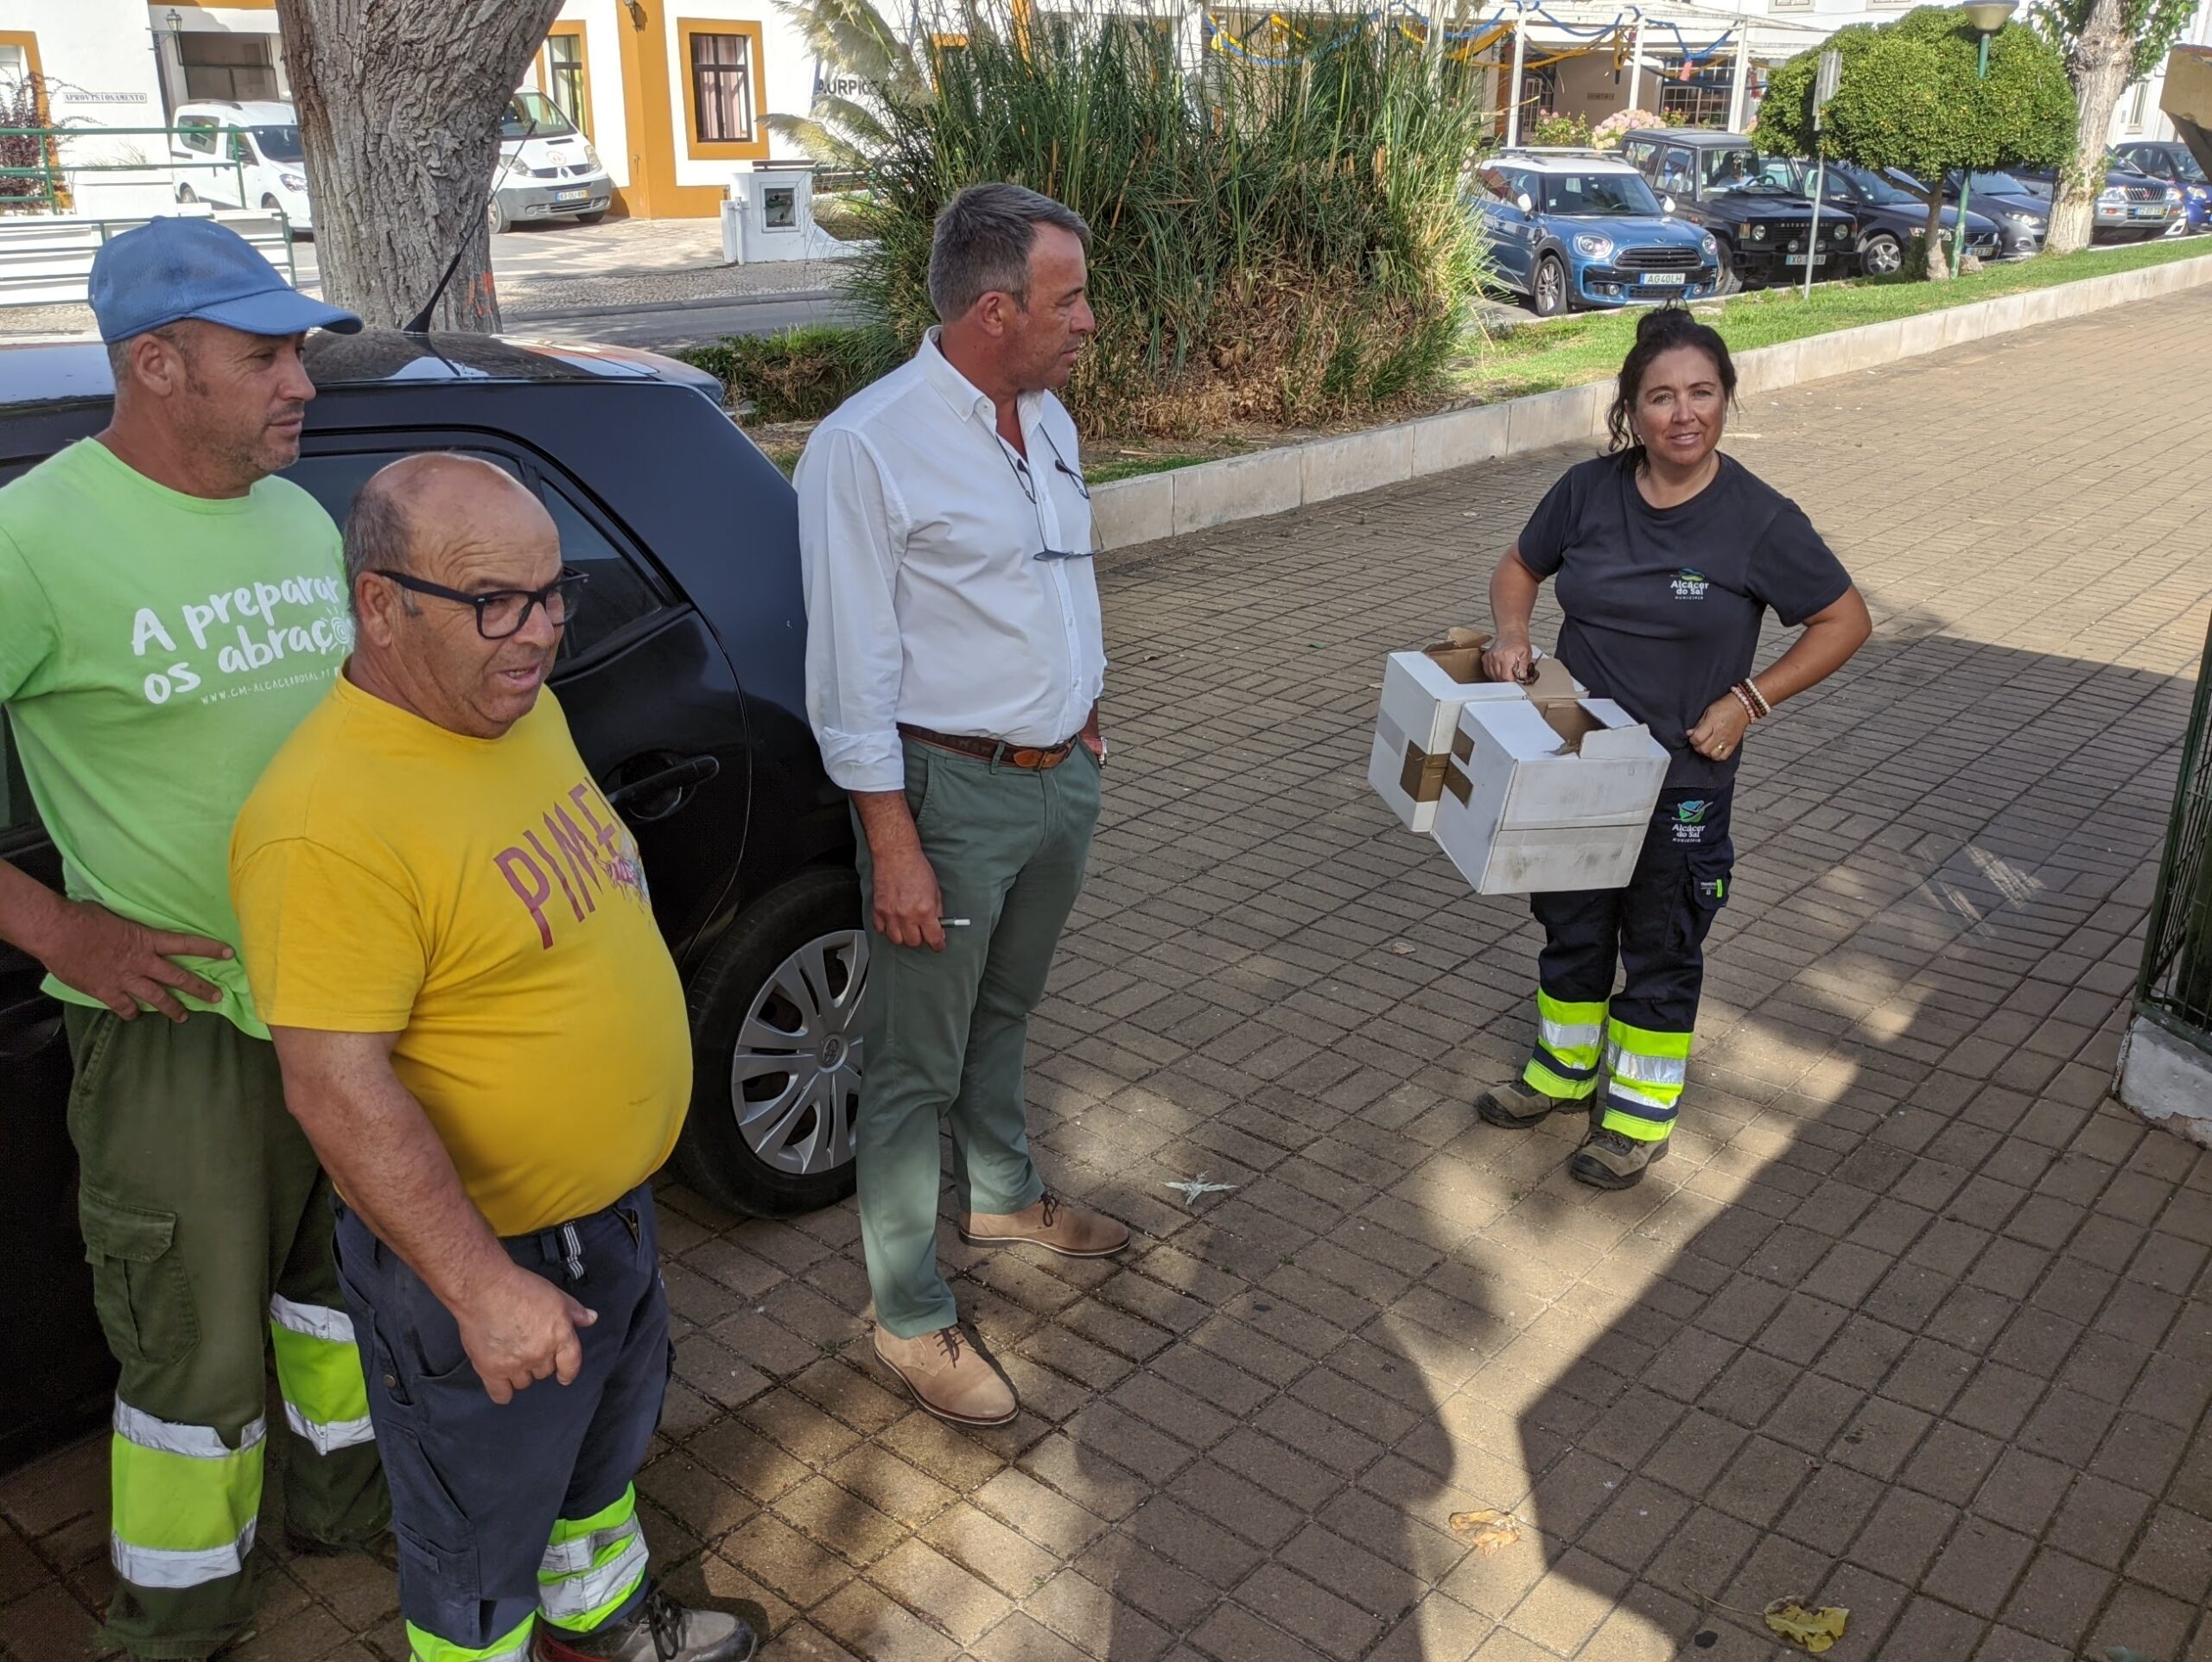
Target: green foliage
x=1560 y=127
x=1910 y=97
x=1279 y=235
x=800 y=374
x=2151 y=27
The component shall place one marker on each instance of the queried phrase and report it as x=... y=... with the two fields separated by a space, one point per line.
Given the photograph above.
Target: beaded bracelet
x=1754 y=697
x=1750 y=709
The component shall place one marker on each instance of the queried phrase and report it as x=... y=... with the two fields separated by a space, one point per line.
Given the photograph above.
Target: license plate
x=1669 y=279
x=2150 y=212
x=1799 y=259
x=571 y=195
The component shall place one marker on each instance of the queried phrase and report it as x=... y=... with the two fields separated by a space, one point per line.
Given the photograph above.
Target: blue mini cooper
x=1577 y=228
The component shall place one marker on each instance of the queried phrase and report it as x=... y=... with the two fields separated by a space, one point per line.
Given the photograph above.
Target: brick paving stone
x=1917 y=1321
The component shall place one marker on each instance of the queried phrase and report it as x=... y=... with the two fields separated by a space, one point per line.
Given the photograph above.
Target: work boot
x=948 y=1375
x=1609 y=1160
x=1521 y=1107
x=662 y=1631
x=1072 y=1231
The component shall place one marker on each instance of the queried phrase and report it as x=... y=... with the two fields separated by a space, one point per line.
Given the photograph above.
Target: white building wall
x=786 y=68
x=98 y=60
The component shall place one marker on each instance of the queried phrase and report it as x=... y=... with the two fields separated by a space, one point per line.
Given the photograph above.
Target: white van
x=259 y=146
x=548 y=170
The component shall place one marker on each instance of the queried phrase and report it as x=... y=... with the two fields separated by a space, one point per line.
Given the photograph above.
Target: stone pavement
x=1914 y=1322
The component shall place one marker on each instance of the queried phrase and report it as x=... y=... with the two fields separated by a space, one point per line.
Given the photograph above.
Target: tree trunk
x=1932 y=245
x=399 y=103
x=2098 y=65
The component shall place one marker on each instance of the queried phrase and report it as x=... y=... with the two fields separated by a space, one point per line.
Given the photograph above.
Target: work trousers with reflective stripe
x=208 y=1226
x=1653 y=933
x=510 y=1514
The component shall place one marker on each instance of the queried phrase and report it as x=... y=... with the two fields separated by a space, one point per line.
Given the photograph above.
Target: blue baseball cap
x=175 y=267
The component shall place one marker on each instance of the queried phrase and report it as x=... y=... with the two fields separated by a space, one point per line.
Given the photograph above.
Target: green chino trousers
x=209 y=1227
x=944 y=1032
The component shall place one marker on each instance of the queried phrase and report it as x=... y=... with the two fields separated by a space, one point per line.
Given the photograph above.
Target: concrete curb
x=1130 y=511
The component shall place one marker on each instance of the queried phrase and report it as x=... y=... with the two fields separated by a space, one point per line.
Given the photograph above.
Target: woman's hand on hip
x=1720 y=733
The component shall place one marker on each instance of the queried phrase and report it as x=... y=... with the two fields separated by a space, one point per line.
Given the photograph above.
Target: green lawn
x=1543 y=356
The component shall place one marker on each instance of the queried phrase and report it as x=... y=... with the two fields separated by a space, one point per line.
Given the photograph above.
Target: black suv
x=1750 y=202
x=682 y=680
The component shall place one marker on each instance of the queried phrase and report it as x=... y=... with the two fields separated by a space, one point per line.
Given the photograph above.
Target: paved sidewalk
x=1914 y=1322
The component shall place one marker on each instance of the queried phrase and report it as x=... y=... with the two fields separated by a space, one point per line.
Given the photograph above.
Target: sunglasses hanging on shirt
x=1022 y=477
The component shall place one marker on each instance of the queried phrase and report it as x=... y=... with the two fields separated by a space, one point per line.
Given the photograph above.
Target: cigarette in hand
x=952 y=923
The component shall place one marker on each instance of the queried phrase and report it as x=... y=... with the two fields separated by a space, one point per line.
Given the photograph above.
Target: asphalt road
x=681 y=323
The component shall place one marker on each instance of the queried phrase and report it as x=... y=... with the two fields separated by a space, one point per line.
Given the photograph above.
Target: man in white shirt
x=953 y=668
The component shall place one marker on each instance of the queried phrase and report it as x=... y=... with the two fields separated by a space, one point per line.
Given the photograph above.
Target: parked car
x=2022 y=217
x=1574 y=228
x=2170 y=162
x=548 y=170
x=682 y=680
x=259 y=144
x=1750 y=202
x=2131 y=207
x=1888 y=219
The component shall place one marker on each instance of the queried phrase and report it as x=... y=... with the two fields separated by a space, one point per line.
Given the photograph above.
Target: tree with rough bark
x=399 y=103
x=1911 y=98
x=2108 y=44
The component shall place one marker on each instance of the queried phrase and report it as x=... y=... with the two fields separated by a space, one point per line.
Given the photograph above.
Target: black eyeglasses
x=1022 y=477
x=503 y=611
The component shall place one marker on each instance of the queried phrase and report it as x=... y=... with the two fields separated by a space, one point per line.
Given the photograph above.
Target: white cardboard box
x=1417 y=725
x=1542 y=795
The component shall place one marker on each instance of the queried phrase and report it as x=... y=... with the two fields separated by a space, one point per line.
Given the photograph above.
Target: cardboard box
x=1543 y=794
x=1417 y=725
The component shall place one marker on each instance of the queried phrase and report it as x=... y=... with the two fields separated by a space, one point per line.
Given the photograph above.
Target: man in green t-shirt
x=169 y=611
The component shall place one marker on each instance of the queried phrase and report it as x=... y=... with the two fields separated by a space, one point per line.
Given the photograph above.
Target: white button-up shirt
x=918 y=533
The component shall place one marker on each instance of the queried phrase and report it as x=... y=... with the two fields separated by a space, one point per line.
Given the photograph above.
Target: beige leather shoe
x=949 y=1376
x=1072 y=1231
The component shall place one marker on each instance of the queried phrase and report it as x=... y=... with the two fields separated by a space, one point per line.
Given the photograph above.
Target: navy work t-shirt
x=1663 y=605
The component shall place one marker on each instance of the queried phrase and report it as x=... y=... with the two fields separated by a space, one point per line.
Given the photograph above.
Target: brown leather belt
x=992 y=749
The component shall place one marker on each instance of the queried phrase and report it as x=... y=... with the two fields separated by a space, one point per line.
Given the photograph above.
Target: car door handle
x=641 y=798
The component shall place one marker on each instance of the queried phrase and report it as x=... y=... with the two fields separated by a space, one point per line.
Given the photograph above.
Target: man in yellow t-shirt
x=447 y=931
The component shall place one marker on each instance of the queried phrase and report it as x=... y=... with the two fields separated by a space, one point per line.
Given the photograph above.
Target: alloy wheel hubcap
x=795 y=1079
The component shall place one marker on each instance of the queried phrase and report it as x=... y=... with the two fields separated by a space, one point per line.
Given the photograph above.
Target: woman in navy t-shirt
x=1668 y=555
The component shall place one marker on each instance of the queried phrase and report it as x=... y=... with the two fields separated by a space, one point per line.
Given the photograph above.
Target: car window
x=1675 y=171
x=198 y=133
x=619 y=591
x=1493 y=182
x=1597 y=193
x=1741 y=170
x=241 y=150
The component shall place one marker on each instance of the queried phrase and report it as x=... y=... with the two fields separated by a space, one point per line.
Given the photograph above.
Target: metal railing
x=54 y=174
x=2175 y=986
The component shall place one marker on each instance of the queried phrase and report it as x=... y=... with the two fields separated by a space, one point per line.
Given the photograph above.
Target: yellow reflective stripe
x=182 y=1502
x=1649 y=1070
x=1628 y=1126
x=1661 y=1101
x=1538 y=1078
x=338 y=1434
x=319 y=1370
x=623 y=1508
x=1644 y=1042
x=568 y=1557
x=1570 y=1031
x=426 y=1647
x=314 y=1321
x=149 y=1566
x=583 y=1601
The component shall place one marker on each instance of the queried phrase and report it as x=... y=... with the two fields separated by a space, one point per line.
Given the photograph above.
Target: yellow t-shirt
x=479 y=898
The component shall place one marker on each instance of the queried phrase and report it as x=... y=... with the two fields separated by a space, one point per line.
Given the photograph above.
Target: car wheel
x=776 y=1051
x=186 y=193
x=1881 y=255
x=1547 y=296
x=496 y=217
x=591 y=219
x=1731 y=281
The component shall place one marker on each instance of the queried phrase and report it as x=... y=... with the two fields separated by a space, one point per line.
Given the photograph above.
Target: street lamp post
x=1987 y=16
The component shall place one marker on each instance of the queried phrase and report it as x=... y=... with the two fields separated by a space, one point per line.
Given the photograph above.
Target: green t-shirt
x=156 y=649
